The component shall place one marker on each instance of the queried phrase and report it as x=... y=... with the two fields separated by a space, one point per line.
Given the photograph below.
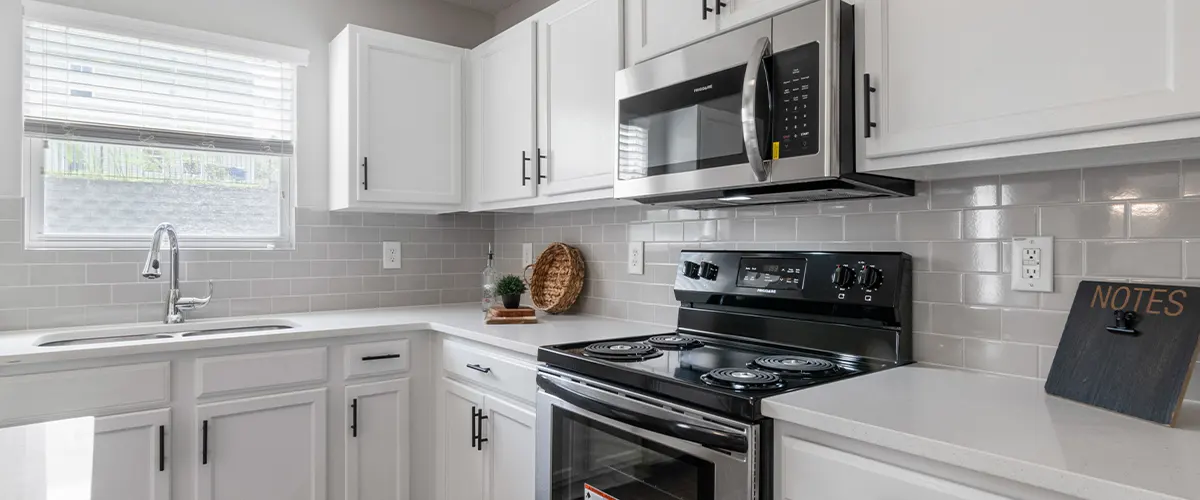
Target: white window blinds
x=92 y=86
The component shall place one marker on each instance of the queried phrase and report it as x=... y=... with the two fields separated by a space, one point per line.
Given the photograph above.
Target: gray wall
x=519 y=11
x=1124 y=223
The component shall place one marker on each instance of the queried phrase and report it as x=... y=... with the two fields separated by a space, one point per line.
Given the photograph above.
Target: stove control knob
x=843 y=276
x=870 y=278
x=691 y=269
x=708 y=271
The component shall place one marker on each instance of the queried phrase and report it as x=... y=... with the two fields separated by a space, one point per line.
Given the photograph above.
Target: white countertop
x=461 y=320
x=1007 y=427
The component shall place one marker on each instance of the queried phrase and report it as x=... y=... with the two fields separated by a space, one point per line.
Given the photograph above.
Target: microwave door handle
x=692 y=433
x=750 y=132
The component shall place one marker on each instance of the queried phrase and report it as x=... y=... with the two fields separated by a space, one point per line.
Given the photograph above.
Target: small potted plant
x=510 y=288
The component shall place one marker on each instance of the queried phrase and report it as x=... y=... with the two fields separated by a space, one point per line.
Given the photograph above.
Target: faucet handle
x=191 y=303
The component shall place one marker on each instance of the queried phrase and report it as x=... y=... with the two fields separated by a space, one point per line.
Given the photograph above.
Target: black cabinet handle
x=380 y=356
x=704 y=10
x=162 y=448
x=478 y=368
x=719 y=5
x=524 y=161
x=481 y=439
x=365 y=173
x=354 y=417
x=204 y=443
x=474 y=431
x=867 y=91
x=540 y=157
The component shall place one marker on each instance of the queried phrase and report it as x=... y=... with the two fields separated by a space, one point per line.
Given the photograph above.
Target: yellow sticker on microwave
x=775 y=150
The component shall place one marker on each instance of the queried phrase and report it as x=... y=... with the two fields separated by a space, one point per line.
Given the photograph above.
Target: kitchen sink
x=139 y=333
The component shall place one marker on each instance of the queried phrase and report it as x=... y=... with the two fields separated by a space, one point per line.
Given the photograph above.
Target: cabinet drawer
x=262 y=370
x=87 y=391
x=490 y=369
x=376 y=358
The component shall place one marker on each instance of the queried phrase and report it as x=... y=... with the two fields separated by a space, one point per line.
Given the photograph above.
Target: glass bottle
x=489 y=282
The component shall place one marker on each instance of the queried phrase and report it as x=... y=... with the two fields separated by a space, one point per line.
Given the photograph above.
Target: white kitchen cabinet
x=377 y=443
x=503 y=118
x=508 y=451
x=959 y=81
x=810 y=470
x=395 y=122
x=131 y=456
x=579 y=52
x=740 y=12
x=462 y=461
x=262 y=447
x=654 y=27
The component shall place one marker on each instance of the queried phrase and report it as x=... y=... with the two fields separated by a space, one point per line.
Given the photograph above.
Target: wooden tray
x=1138 y=367
x=501 y=316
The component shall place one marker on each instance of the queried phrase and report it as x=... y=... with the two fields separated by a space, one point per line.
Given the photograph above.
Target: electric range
x=679 y=414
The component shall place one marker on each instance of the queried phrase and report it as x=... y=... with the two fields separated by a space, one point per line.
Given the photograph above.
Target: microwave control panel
x=797 y=104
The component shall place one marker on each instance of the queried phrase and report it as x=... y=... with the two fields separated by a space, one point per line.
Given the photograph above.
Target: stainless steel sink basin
x=139 y=333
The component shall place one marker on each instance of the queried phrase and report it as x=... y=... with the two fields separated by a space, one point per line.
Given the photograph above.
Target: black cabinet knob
x=870 y=278
x=843 y=277
x=691 y=269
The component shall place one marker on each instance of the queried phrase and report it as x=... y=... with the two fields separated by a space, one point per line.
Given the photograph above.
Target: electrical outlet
x=391 y=255
x=1033 y=264
x=637 y=264
x=526 y=254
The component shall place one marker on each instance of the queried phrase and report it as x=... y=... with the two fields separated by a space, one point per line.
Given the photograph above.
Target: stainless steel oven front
x=596 y=439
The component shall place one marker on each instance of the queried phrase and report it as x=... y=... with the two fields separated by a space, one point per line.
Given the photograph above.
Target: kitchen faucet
x=175 y=304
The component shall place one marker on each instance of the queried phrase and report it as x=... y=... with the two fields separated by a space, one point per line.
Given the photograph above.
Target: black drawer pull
x=380 y=356
x=354 y=418
x=867 y=91
x=365 y=173
x=474 y=426
x=162 y=448
x=204 y=443
x=479 y=443
x=478 y=368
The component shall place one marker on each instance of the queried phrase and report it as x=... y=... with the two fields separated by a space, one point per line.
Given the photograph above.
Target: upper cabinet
x=655 y=27
x=958 y=81
x=395 y=123
x=543 y=108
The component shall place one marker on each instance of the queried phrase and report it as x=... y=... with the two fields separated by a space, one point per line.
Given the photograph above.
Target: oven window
x=688 y=126
x=620 y=464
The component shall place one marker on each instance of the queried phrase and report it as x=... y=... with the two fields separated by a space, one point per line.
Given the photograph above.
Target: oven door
x=594 y=438
x=691 y=120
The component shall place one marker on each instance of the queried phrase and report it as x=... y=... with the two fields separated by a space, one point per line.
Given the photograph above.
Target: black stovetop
x=679 y=373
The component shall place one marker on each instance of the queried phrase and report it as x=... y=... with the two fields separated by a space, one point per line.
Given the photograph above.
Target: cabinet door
x=130 y=457
x=377 y=444
x=579 y=51
x=462 y=461
x=813 y=471
x=509 y=457
x=744 y=11
x=503 y=80
x=1011 y=74
x=264 y=447
x=409 y=119
x=653 y=27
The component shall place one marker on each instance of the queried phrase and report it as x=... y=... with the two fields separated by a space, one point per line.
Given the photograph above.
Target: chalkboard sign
x=1129 y=348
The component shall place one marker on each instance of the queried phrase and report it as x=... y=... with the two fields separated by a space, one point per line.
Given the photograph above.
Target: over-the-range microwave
x=762 y=114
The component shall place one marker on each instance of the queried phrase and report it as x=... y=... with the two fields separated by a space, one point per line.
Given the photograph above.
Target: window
x=126 y=130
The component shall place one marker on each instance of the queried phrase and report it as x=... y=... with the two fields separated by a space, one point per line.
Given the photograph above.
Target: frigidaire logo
x=702 y=89
x=764 y=290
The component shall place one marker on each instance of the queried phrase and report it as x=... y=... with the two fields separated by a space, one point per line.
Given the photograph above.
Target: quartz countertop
x=462 y=320
x=1006 y=427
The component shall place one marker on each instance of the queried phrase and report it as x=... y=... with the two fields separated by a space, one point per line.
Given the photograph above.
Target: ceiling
x=489 y=6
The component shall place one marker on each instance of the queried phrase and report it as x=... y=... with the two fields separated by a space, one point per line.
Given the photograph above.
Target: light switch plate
x=526 y=254
x=391 y=255
x=636 y=260
x=1033 y=264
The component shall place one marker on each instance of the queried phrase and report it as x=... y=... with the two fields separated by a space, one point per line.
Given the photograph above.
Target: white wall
x=519 y=11
x=308 y=24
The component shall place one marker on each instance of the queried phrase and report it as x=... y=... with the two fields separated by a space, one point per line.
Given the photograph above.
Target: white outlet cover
x=1044 y=268
x=391 y=255
x=636 y=260
x=526 y=254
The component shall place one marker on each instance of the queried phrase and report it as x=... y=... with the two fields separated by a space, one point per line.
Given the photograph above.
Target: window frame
x=33 y=148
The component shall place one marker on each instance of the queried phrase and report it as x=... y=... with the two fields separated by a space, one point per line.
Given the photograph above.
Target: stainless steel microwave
x=761 y=114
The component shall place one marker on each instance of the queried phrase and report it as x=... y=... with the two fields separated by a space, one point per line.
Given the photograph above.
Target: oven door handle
x=750 y=132
x=698 y=434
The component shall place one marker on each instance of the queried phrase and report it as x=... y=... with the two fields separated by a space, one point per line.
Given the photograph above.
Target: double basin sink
x=159 y=332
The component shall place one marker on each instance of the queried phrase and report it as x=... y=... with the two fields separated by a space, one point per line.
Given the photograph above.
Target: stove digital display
x=772 y=273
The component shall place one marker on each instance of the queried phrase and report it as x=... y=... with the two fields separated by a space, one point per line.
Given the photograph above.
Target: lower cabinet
x=262 y=447
x=377 y=442
x=130 y=456
x=487 y=446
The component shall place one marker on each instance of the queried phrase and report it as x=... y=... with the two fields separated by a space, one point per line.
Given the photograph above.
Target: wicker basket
x=557 y=278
